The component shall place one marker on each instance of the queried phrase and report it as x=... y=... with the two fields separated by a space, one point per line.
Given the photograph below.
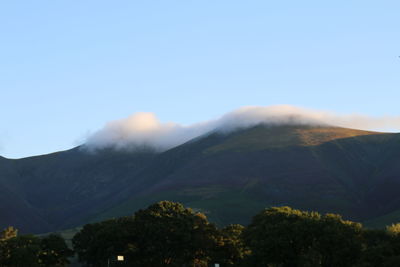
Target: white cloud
x=144 y=129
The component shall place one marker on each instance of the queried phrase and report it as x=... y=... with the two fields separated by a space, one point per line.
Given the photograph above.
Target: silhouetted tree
x=29 y=250
x=381 y=248
x=54 y=251
x=22 y=251
x=229 y=249
x=8 y=233
x=98 y=243
x=166 y=233
x=393 y=229
x=339 y=241
x=283 y=236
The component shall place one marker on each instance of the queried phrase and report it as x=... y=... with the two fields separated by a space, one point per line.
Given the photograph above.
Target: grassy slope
x=259 y=138
x=228 y=176
x=64 y=188
x=231 y=177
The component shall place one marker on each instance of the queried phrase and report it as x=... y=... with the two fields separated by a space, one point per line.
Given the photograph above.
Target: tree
x=97 y=243
x=393 y=229
x=22 y=251
x=166 y=233
x=54 y=251
x=282 y=236
x=274 y=237
x=229 y=248
x=339 y=241
x=8 y=233
x=381 y=248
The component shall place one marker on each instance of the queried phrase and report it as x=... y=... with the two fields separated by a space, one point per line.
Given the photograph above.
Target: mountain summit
x=229 y=176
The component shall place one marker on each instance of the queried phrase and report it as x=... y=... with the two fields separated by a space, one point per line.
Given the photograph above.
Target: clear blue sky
x=69 y=66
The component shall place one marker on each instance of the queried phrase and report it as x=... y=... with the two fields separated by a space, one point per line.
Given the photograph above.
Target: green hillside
x=228 y=176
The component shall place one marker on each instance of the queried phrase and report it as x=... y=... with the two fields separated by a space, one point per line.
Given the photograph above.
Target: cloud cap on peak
x=249 y=116
x=144 y=129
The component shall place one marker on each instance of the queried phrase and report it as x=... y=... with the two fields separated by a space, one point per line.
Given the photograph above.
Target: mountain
x=63 y=188
x=229 y=176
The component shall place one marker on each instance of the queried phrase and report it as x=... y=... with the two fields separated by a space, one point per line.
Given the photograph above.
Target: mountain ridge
x=229 y=176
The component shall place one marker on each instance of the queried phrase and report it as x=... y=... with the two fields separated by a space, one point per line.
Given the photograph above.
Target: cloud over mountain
x=144 y=129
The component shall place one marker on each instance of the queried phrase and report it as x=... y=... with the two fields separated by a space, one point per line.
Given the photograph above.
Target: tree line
x=168 y=234
x=29 y=250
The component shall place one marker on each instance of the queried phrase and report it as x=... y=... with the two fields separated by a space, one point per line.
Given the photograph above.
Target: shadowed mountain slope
x=232 y=176
x=228 y=176
x=64 y=188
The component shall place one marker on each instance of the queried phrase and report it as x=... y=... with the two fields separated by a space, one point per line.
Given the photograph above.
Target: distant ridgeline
x=227 y=176
x=168 y=234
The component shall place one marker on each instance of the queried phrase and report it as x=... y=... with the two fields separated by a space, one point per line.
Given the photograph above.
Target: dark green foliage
x=32 y=251
x=54 y=251
x=98 y=243
x=286 y=237
x=229 y=249
x=8 y=233
x=338 y=241
x=166 y=233
x=382 y=248
x=274 y=237
x=22 y=251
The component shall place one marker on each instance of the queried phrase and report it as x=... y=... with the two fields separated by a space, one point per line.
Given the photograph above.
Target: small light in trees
x=120 y=258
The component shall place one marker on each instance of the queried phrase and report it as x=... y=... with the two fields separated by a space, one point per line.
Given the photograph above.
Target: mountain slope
x=64 y=188
x=230 y=176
